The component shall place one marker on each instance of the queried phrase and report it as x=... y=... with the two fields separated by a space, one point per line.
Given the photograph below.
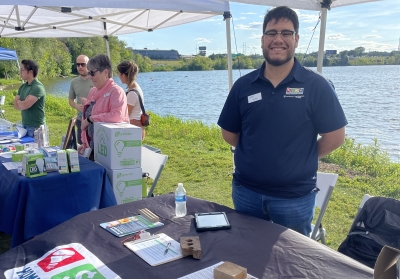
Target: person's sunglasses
x=80 y=64
x=92 y=73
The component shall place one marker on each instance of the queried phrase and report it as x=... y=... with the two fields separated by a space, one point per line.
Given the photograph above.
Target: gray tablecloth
x=267 y=250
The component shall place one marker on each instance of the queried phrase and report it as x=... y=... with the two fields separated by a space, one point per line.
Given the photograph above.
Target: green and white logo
x=80 y=272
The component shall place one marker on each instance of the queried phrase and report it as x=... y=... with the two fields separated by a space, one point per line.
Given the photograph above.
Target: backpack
x=376 y=225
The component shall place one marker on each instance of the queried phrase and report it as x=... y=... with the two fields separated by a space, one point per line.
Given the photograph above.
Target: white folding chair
x=325 y=183
x=152 y=163
x=365 y=198
x=2 y=100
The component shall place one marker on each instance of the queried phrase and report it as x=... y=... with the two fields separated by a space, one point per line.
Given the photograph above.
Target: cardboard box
x=17 y=156
x=62 y=162
x=127 y=184
x=33 y=165
x=73 y=160
x=387 y=265
x=117 y=145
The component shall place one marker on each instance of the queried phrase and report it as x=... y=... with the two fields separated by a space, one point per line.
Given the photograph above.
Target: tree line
x=56 y=57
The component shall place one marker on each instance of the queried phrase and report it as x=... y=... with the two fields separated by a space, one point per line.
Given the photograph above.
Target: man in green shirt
x=31 y=97
x=79 y=90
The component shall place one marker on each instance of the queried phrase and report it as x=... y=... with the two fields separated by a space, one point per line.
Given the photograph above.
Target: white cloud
x=202 y=40
x=333 y=22
x=372 y=36
x=248 y=13
x=307 y=17
x=336 y=37
x=375 y=46
x=255 y=36
x=251 y=25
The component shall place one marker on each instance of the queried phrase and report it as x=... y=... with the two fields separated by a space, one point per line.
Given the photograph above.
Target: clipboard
x=155 y=249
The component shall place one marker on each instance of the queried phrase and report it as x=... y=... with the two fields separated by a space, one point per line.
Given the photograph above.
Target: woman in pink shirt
x=106 y=101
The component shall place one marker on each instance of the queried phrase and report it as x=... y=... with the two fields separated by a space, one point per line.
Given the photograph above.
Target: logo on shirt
x=294 y=93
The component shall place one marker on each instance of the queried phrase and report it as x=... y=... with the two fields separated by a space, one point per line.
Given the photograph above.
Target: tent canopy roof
x=302 y=4
x=8 y=54
x=52 y=18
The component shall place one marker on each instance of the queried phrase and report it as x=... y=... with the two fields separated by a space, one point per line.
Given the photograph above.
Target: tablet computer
x=211 y=221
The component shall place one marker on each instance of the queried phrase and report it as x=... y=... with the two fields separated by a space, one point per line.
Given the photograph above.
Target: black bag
x=376 y=225
x=144 y=118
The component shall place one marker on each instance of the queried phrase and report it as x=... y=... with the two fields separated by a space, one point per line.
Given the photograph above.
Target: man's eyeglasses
x=286 y=34
x=80 y=64
x=92 y=73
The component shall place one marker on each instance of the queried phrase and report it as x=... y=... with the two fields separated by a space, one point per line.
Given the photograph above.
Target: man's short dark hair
x=281 y=12
x=31 y=65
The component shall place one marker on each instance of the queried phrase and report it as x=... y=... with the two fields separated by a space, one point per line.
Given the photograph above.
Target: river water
x=369 y=95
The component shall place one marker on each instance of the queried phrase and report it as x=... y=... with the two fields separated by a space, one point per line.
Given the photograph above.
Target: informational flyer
x=208 y=273
x=129 y=225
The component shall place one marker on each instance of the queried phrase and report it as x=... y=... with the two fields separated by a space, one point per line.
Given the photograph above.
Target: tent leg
x=227 y=18
x=322 y=31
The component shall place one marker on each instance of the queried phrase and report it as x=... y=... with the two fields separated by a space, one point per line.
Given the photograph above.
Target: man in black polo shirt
x=273 y=117
x=31 y=97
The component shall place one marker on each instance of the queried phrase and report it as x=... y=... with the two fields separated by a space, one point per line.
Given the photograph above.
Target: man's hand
x=75 y=105
x=83 y=101
x=79 y=107
x=330 y=141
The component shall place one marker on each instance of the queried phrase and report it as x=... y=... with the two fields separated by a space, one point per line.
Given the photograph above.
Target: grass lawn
x=202 y=161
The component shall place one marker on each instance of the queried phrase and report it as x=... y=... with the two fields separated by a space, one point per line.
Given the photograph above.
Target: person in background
x=79 y=90
x=127 y=72
x=273 y=117
x=106 y=101
x=31 y=98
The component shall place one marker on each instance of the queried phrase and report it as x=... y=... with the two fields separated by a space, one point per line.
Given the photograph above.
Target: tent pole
x=227 y=18
x=106 y=38
x=320 y=61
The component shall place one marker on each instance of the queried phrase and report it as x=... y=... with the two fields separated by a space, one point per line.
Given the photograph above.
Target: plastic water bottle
x=180 y=201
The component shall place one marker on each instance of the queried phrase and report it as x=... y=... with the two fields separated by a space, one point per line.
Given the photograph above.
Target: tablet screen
x=207 y=220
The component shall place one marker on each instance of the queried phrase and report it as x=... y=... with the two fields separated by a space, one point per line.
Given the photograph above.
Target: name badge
x=254 y=98
x=106 y=95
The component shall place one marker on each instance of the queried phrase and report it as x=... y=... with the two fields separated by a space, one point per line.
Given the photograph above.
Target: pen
x=166 y=249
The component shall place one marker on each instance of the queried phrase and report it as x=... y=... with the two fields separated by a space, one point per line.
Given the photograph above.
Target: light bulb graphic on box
x=119 y=146
x=58 y=256
x=40 y=164
x=121 y=187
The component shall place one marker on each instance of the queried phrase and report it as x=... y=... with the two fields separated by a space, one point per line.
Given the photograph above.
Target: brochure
x=208 y=273
x=129 y=225
x=157 y=249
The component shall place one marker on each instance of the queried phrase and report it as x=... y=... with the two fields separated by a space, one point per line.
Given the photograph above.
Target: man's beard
x=83 y=75
x=277 y=62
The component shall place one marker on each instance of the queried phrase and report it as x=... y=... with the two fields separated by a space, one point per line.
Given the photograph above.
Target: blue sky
x=374 y=26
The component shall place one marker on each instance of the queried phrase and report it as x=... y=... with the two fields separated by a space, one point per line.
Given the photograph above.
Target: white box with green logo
x=73 y=160
x=33 y=165
x=127 y=184
x=117 y=145
x=62 y=162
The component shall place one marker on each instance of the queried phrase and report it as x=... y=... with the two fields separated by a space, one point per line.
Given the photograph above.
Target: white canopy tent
x=316 y=5
x=76 y=18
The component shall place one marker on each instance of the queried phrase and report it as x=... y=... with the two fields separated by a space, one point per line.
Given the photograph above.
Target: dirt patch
x=328 y=167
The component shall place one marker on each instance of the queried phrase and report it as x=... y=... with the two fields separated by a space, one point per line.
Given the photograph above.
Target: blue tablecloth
x=30 y=206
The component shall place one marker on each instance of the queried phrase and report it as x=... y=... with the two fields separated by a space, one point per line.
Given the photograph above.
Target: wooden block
x=190 y=245
x=149 y=215
x=229 y=270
